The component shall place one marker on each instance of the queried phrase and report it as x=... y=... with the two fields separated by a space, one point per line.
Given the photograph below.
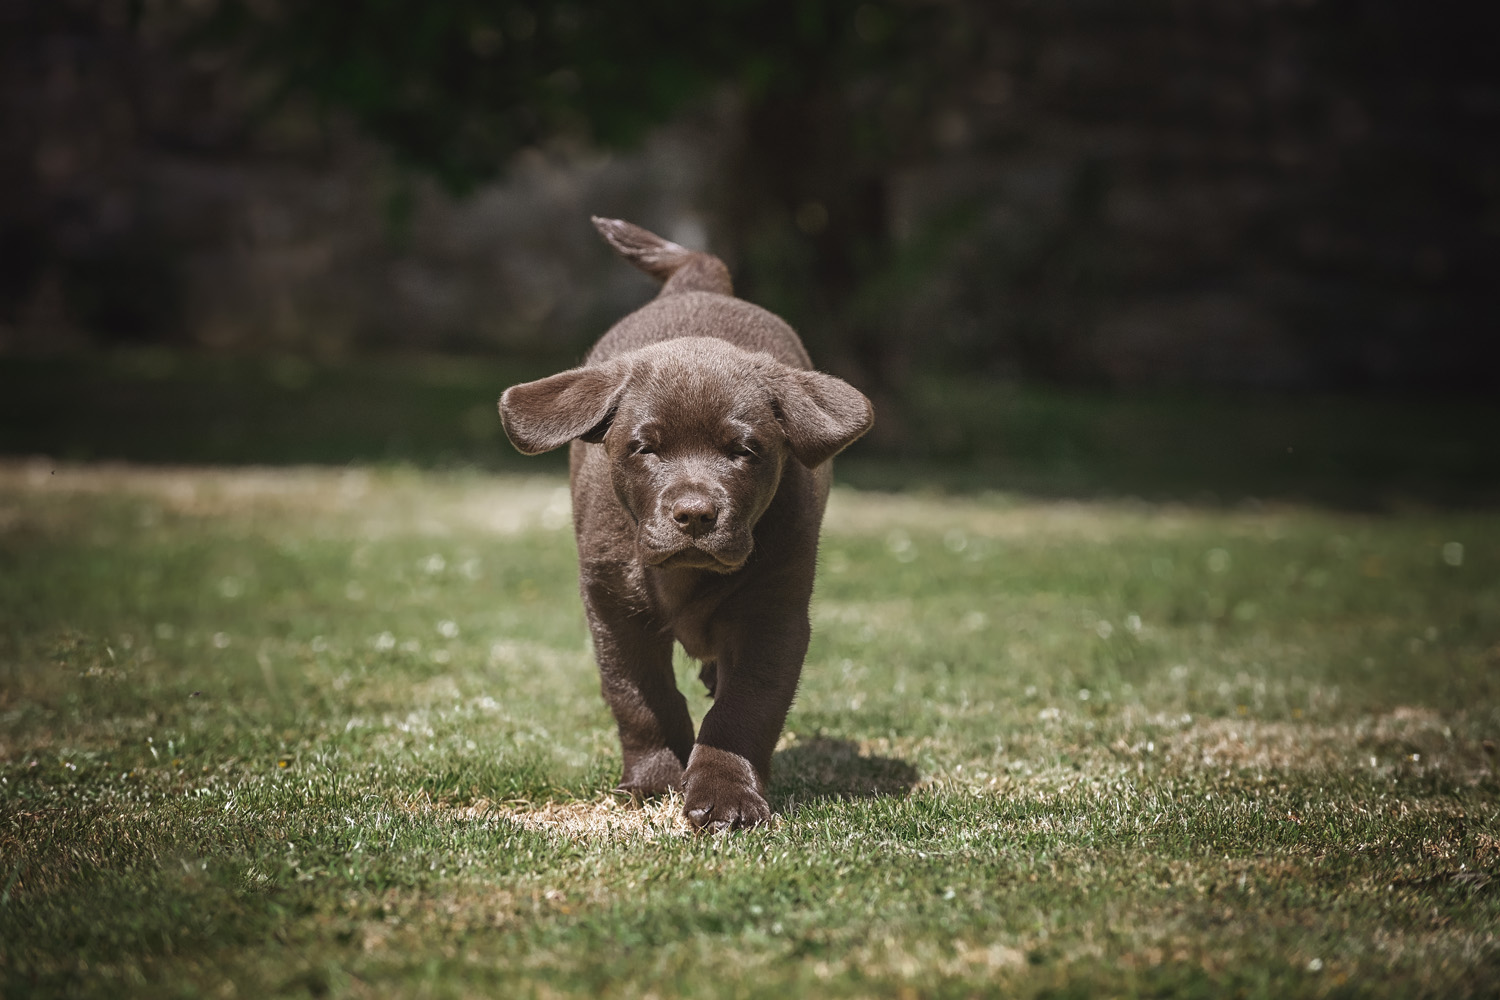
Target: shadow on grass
x=827 y=768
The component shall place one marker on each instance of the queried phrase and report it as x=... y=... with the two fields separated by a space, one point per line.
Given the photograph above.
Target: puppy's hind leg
x=708 y=673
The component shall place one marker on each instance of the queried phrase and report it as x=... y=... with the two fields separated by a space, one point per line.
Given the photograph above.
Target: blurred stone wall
x=1270 y=194
x=348 y=254
x=145 y=198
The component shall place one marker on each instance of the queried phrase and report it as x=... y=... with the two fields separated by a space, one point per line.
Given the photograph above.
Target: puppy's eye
x=641 y=448
x=743 y=450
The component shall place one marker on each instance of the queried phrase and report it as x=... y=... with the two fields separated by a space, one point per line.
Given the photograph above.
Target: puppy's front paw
x=722 y=791
x=650 y=774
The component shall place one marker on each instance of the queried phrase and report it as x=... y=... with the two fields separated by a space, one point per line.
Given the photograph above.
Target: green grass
x=322 y=733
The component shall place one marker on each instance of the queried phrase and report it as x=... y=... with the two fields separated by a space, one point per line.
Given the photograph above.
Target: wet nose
x=695 y=514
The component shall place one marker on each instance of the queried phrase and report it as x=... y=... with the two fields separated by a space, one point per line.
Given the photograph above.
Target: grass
x=337 y=733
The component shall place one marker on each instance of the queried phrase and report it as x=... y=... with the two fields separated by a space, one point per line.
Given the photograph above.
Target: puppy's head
x=697 y=432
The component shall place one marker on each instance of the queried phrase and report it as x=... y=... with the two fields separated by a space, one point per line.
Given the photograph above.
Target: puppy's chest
x=695 y=612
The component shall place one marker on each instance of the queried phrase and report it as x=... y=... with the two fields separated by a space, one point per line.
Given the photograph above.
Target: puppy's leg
x=708 y=673
x=730 y=768
x=635 y=675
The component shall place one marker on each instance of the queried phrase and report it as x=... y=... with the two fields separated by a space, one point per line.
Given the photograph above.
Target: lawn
x=311 y=732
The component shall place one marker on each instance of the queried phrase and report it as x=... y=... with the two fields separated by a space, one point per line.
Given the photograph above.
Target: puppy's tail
x=681 y=269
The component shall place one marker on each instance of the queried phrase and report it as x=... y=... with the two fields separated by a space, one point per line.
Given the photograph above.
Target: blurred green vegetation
x=1276 y=195
x=956 y=433
x=457 y=87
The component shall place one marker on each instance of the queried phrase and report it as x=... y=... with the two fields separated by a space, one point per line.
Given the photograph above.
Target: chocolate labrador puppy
x=700 y=446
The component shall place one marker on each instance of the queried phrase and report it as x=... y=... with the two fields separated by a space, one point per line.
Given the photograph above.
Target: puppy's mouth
x=692 y=557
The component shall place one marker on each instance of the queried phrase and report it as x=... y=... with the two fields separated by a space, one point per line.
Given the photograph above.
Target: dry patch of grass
x=606 y=817
x=854 y=513
x=1408 y=740
x=372 y=504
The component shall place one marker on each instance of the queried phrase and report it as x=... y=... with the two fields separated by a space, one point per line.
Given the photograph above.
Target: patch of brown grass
x=369 y=503
x=608 y=817
x=852 y=513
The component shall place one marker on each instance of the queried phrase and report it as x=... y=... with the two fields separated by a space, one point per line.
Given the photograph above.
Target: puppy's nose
x=695 y=513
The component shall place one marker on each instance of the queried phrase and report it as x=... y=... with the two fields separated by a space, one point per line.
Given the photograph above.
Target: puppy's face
x=697 y=432
x=696 y=454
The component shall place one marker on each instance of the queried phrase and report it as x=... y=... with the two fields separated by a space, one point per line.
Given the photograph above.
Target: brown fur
x=700 y=446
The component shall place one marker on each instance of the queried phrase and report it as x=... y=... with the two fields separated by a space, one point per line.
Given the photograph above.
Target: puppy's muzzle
x=695 y=513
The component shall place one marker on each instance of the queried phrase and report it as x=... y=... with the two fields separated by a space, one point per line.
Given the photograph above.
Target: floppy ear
x=548 y=413
x=821 y=415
